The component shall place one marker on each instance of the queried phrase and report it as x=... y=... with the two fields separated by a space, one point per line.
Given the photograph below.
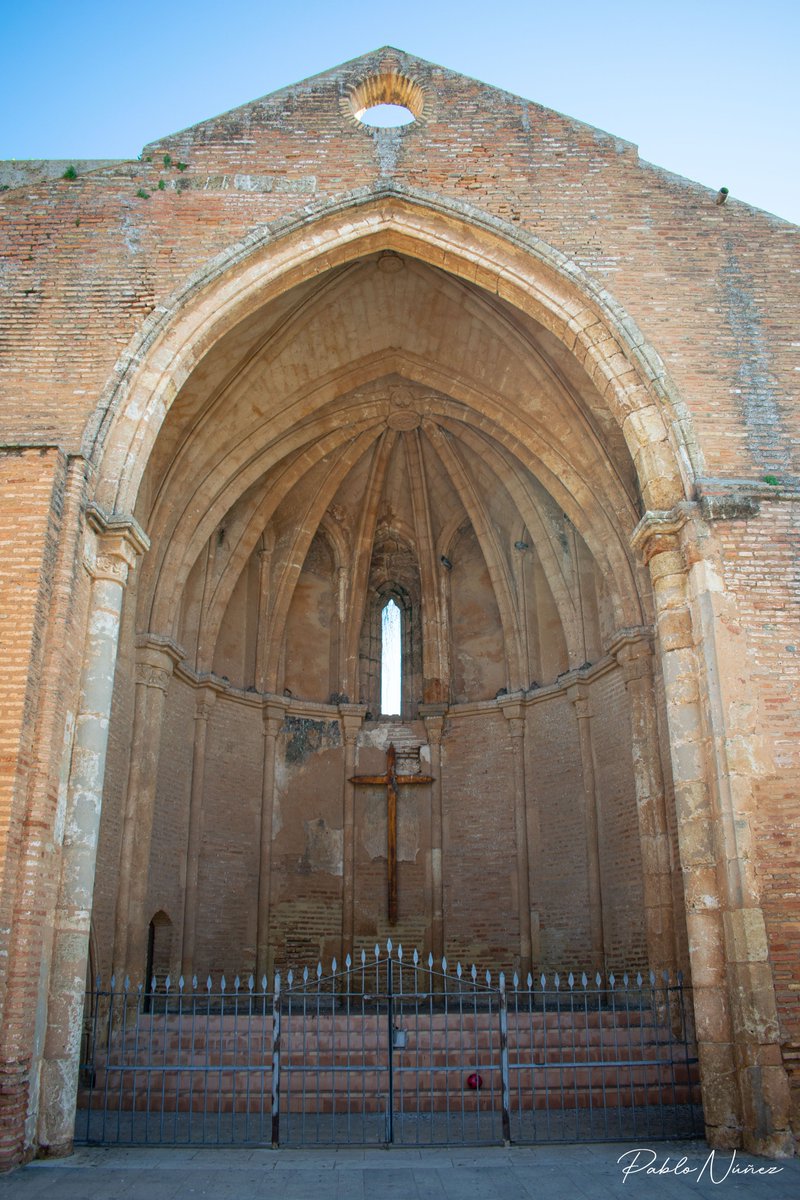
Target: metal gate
x=389 y=1050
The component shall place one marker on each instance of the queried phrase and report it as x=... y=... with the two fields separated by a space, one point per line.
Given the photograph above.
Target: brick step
x=547 y=1081
x=319 y=1049
x=408 y=1103
x=358 y=1023
x=567 y=1075
x=316 y=1038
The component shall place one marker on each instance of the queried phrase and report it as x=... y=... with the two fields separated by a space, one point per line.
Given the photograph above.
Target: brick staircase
x=223 y=1063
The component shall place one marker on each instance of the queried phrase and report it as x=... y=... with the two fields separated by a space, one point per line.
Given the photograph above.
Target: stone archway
x=626 y=377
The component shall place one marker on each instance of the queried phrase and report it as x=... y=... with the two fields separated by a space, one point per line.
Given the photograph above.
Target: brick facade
x=286 y=365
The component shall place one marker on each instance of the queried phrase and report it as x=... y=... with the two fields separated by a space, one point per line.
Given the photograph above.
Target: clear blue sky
x=708 y=88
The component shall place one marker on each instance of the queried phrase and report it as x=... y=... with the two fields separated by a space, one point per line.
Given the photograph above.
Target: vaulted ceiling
x=388 y=404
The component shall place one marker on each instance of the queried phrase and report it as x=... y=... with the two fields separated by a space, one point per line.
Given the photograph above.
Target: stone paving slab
x=570 y=1172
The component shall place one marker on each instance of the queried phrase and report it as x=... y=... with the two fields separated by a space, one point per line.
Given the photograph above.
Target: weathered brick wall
x=618 y=826
x=761 y=565
x=307 y=847
x=39 y=570
x=171 y=819
x=559 y=868
x=85 y=263
x=228 y=867
x=481 y=913
x=93 y=257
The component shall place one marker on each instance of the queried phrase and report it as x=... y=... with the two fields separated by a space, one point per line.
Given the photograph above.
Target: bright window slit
x=391 y=659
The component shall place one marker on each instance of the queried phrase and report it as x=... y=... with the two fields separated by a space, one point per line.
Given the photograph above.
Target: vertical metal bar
x=431 y=1045
x=249 y=1025
x=390 y=1058
x=643 y=1056
x=176 y=1065
x=163 y=1070
x=575 y=1058
x=235 y=1044
x=446 y=998
x=219 y=1055
x=460 y=1052
x=588 y=1053
x=263 y=1056
x=108 y=1050
x=192 y=1056
x=304 y=1058
x=504 y=1081
x=319 y=1053
x=346 y=994
x=126 y=999
x=685 y=1036
x=149 y=1013
x=546 y=1054
x=276 y=1062
x=615 y=1029
x=601 y=1025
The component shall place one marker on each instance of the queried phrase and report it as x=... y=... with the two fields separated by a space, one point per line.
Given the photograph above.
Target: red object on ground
x=475 y=1081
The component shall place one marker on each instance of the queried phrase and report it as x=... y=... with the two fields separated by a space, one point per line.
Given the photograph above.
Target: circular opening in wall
x=386 y=116
x=386 y=101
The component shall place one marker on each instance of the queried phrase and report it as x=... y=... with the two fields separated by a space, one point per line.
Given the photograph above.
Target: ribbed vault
x=388 y=403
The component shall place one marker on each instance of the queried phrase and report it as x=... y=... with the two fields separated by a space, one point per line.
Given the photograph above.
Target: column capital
x=633 y=650
x=352 y=718
x=156 y=659
x=117 y=543
x=514 y=712
x=659 y=530
x=578 y=695
x=116 y=535
x=205 y=699
x=433 y=715
x=273 y=715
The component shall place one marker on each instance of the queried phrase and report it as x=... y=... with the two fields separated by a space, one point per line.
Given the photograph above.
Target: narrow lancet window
x=391 y=659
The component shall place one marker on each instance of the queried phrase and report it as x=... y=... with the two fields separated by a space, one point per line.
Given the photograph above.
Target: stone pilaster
x=274 y=713
x=206 y=698
x=514 y=712
x=155 y=659
x=262 y=625
x=352 y=718
x=434 y=715
x=745 y=1089
x=578 y=695
x=112 y=547
x=634 y=655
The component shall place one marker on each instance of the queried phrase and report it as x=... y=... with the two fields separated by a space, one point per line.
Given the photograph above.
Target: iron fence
x=389 y=1050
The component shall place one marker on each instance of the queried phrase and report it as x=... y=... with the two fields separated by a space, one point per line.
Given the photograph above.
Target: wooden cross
x=391 y=781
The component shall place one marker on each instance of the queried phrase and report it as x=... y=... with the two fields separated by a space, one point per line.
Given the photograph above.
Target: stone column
x=206 y=698
x=274 y=713
x=351 y=716
x=264 y=568
x=433 y=716
x=112 y=552
x=514 y=712
x=578 y=695
x=745 y=1089
x=634 y=655
x=155 y=660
